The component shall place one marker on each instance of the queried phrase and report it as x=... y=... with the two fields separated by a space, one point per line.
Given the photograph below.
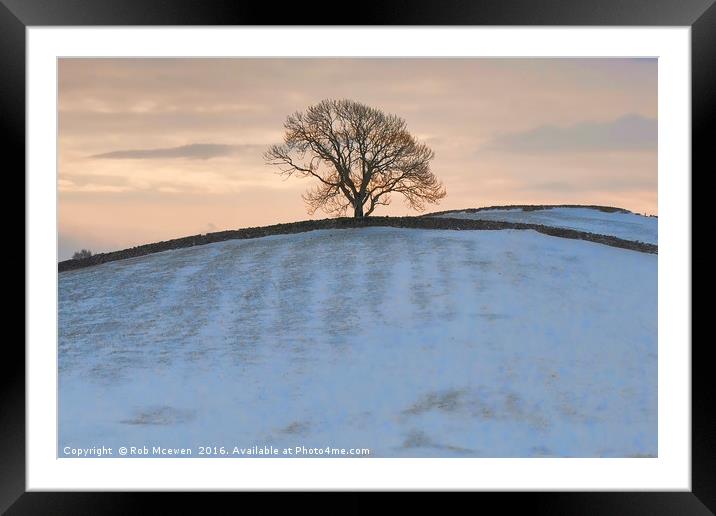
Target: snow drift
x=628 y=226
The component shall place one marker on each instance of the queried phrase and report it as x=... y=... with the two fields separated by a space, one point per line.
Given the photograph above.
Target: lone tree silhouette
x=359 y=155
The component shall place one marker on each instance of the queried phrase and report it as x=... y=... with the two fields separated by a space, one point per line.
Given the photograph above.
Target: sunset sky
x=152 y=149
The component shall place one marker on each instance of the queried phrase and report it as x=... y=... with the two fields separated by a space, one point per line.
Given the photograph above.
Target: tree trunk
x=358 y=214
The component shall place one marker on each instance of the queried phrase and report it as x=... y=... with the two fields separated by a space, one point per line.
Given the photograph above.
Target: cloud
x=93 y=183
x=191 y=151
x=627 y=133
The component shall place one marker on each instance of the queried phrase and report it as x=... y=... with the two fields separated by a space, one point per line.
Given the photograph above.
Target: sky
x=153 y=149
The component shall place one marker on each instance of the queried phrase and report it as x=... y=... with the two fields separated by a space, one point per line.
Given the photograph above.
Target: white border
x=670 y=471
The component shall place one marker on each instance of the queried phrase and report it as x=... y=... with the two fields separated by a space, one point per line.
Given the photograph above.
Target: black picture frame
x=17 y=15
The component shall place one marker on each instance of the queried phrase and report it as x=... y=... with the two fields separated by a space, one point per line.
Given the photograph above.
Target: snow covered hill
x=628 y=226
x=410 y=342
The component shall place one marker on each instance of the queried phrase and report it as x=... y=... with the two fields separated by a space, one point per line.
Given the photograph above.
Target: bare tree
x=359 y=157
x=84 y=253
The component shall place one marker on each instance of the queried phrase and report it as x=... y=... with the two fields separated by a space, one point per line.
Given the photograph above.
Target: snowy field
x=628 y=226
x=413 y=343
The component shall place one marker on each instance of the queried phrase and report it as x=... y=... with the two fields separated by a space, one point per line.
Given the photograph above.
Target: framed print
x=444 y=248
